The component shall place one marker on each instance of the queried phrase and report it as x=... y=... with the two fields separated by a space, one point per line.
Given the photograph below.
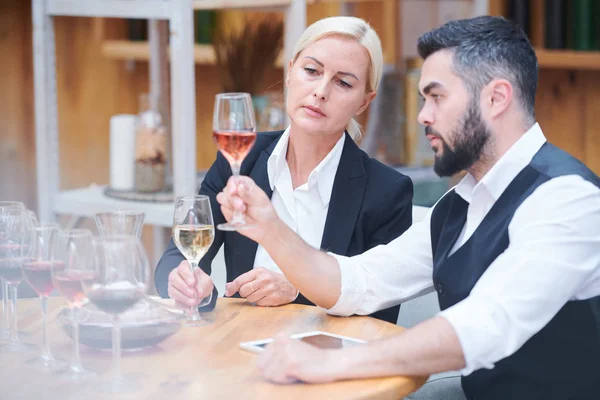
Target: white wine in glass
x=193 y=234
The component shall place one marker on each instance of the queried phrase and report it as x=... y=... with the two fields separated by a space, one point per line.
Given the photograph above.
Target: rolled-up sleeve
x=387 y=274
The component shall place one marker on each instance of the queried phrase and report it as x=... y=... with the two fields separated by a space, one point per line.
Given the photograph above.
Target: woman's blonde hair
x=364 y=34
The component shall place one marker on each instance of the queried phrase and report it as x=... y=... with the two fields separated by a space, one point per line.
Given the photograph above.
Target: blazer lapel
x=346 y=199
x=244 y=247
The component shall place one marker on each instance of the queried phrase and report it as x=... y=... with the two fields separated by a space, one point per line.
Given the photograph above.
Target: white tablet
x=324 y=340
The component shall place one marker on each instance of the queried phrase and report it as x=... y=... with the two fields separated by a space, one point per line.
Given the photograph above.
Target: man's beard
x=470 y=139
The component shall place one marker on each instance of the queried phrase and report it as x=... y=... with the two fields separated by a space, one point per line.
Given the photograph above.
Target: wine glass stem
x=238 y=217
x=46 y=348
x=75 y=359
x=116 y=345
x=14 y=333
x=194 y=309
x=5 y=290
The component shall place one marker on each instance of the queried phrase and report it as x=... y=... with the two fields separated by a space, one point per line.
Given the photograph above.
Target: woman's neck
x=305 y=152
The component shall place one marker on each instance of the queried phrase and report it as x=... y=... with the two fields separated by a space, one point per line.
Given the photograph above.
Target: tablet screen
x=328 y=342
x=322 y=341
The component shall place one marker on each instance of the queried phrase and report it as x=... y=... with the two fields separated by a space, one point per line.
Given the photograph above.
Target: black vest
x=562 y=361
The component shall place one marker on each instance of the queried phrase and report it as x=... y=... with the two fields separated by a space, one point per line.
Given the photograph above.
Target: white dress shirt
x=553 y=257
x=303 y=209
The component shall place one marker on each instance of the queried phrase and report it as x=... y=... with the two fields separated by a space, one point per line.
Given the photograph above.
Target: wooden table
x=201 y=362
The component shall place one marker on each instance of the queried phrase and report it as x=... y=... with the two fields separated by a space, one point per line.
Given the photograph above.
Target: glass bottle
x=150 y=147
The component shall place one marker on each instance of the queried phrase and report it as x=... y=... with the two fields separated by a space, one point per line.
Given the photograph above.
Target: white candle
x=122 y=151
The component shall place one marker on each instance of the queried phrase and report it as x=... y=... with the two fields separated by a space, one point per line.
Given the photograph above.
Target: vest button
x=439 y=287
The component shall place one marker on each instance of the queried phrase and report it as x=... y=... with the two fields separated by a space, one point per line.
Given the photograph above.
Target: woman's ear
x=366 y=101
x=287 y=76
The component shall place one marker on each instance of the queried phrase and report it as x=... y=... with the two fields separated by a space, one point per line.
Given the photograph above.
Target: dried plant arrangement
x=243 y=57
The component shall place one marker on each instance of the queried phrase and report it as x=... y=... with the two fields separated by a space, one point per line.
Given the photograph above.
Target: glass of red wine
x=5 y=208
x=18 y=224
x=72 y=264
x=234 y=132
x=121 y=276
x=38 y=273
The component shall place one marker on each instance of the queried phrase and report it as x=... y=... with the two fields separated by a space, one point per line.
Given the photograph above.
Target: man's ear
x=497 y=97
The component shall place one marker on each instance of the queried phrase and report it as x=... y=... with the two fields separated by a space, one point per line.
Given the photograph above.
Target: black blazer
x=371 y=204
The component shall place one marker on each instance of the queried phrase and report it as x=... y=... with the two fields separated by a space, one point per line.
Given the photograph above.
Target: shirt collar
x=322 y=176
x=497 y=179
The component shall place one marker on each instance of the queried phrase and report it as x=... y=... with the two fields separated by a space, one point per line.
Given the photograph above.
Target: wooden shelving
x=568 y=59
x=249 y=4
x=551 y=59
x=204 y=54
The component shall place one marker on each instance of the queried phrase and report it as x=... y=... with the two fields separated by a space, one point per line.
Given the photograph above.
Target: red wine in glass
x=10 y=271
x=116 y=300
x=39 y=275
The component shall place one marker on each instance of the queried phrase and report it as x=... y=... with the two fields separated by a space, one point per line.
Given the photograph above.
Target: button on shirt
x=303 y=209
x=553 y=257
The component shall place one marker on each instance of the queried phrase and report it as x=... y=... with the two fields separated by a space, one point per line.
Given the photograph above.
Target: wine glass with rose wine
x=234 y=132
x=38 y=273
x=71 y=265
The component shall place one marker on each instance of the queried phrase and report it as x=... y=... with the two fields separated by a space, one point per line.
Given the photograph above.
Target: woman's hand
x=263 y=287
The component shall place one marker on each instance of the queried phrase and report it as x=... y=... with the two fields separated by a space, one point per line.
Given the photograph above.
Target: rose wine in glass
x=71 y=265
x=193 y=234
x=234 y=133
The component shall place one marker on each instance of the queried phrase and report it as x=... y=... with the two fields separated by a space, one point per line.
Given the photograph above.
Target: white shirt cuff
x=353 y=287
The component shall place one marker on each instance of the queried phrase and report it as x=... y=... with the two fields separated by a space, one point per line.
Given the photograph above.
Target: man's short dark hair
x=485 y=48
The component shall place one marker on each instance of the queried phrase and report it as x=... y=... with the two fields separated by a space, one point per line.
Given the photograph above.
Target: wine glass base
x=17 y=347
x=117 y=385
x=196 y=320
x=233 y=226
x=47 y=363
x=76 y=373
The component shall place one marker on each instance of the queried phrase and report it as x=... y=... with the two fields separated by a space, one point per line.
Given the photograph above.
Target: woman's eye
x=310 y=71
x=345 y=84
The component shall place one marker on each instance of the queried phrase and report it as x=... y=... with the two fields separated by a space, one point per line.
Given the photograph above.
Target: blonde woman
x=321 y=184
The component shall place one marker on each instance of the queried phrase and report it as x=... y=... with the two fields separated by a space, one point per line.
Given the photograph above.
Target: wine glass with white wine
x=193 y=234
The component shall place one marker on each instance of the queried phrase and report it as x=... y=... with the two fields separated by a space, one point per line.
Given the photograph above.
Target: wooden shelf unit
x=204 y=54
x=566 y=59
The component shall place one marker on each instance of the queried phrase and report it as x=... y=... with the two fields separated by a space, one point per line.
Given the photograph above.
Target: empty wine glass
x=234 y=132
x=193 y=234
x=120 y=223
x=121 y=275
x=72 y=264
x=38 y=273
x=4 y=207
x=18 y=235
